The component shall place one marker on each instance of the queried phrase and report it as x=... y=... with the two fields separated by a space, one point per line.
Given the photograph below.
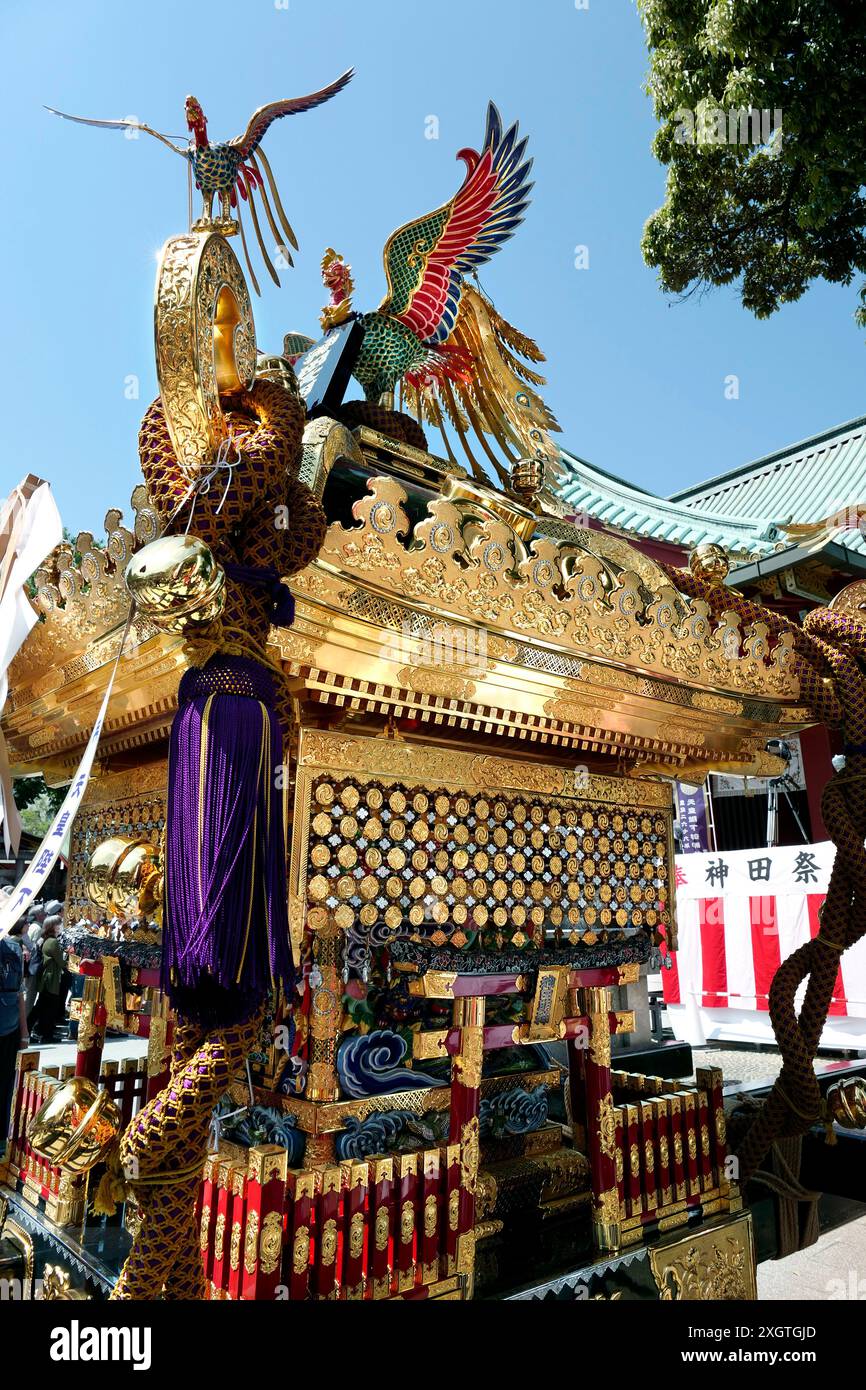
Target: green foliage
x=770 y=217
x=37 y=803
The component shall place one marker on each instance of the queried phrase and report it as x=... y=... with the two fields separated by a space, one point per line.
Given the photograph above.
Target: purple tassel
x=226 y=930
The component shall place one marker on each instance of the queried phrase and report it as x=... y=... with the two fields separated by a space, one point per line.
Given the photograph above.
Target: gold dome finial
x=709 y=562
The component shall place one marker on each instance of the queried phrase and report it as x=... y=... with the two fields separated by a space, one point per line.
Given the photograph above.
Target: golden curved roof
x=436 y=601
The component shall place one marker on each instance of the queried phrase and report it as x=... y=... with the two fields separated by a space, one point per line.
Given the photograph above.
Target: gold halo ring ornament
x=205 y=342
x=176 y=583
x=850 y=602
x=77 y=1127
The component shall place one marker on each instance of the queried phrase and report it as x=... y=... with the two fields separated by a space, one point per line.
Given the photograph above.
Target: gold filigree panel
x=476 y=567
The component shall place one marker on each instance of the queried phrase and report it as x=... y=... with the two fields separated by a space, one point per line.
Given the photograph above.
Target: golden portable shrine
x=370 y=754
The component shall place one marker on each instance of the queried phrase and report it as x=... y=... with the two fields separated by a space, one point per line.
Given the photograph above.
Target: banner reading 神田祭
x=739 y=915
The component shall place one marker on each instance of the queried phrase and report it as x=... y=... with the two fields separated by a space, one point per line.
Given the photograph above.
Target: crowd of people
x=34 y=983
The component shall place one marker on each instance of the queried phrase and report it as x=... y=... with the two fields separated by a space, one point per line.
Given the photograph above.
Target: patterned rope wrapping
x=392 y=423
x=255 y=512
x=256 y=516
x=164 y=1148
x=830 y=648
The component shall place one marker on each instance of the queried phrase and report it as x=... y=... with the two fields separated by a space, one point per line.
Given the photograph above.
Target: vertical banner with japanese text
x=692 y=818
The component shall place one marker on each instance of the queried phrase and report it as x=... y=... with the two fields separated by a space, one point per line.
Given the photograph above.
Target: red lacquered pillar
x=594 y=1003
x=267 y=1172
x=301 y=1195
x=431 y=1216
x=465 y=1100
x=326 y=1242
x=405 y=1219
x=381 y=1221
x=207 y=1214
x=709 y=1079
x=91 y=1022
x=356 y=1179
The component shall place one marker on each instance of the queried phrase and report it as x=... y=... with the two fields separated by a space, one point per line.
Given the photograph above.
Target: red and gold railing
x=670 y=1152
x=382 y=1228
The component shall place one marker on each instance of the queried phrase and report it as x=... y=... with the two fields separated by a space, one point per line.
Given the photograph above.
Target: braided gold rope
x=829 y=650
x=238 y=523
x=165 y=1260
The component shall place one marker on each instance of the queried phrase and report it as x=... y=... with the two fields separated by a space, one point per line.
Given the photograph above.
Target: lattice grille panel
x=497 y=870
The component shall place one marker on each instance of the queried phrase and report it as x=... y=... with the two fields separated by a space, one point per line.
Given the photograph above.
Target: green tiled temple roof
x=621 y=506
x=747 y=509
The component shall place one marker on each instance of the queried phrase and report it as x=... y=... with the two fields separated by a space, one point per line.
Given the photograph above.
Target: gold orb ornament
x=709 y=562
x=77 y=1127
x=176 y=583
x=123 y=877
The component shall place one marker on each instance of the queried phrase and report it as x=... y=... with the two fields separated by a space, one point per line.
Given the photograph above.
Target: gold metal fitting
x=77 y=1127
x=709 y=561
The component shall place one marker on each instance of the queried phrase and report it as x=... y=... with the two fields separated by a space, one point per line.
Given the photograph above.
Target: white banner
x=739 y=915
x=30 y=528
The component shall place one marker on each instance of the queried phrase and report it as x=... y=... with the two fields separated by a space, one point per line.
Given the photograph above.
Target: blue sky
x=638 y=383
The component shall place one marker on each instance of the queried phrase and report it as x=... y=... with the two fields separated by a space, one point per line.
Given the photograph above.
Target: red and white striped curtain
x=739 y=915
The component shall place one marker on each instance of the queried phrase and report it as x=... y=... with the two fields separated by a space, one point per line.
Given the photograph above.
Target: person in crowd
x=13 y=1021
x=46 y=1012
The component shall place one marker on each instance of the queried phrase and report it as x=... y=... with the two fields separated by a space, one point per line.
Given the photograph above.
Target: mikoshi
x=377 y=847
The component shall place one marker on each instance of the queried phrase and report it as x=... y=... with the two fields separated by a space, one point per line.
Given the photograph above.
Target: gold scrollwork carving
x=329 y=1242
x=219 y=1235
x=251 y=1241
x=431 y=1216
x=381 y=1228
x=470 y=1152
x=235 y=1245
x=407 y=1222
x=301 y=1249
x=469 y=1060
x=205 y=1227
x=606 y=1121
x=271 y=1244
x=717 y=1266
x=453 y=1210
x=564 y=591
x=356 y=1235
